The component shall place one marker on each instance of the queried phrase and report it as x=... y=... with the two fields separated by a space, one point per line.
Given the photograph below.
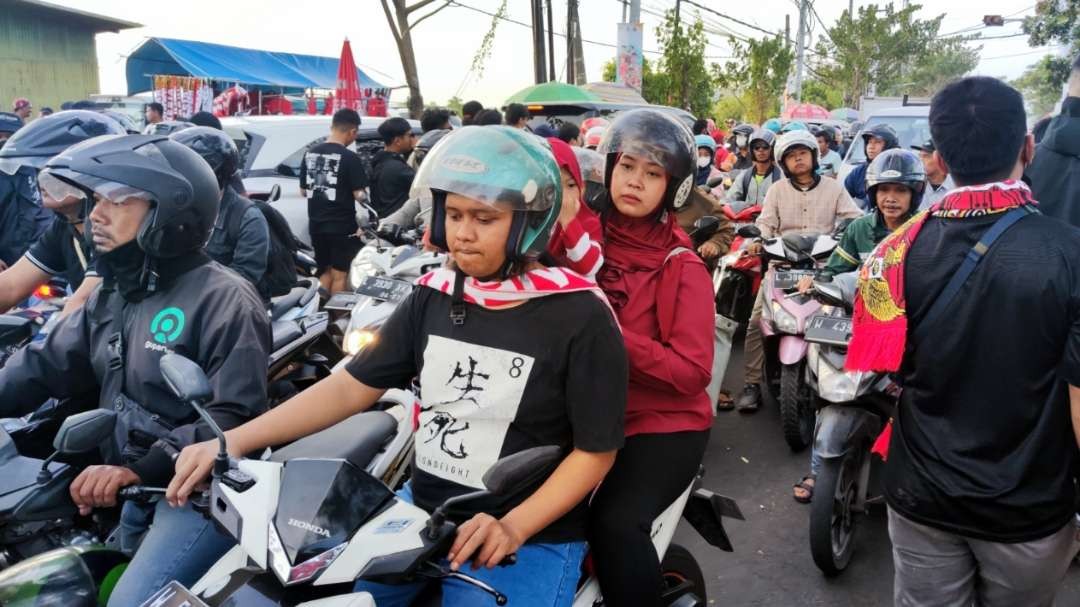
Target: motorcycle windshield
x=323 y=501
x=58 y=578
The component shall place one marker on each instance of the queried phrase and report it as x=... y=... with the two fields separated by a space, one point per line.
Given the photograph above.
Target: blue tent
x=251 y=68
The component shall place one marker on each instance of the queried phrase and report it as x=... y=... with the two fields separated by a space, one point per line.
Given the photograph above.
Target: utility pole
x=800 y=49
x=575 y=56
x=635 y=11
x=677 y=5
x=787 y=30
x=550 y=43
x=539 y=55
x=851 y=9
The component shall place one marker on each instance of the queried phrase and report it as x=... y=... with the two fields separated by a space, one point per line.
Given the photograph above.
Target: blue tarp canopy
x=247 y=67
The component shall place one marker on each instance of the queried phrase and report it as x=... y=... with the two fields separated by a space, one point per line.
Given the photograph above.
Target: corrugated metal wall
x=45 y=58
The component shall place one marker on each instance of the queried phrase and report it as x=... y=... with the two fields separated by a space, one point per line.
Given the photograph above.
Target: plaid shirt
x=788 y=209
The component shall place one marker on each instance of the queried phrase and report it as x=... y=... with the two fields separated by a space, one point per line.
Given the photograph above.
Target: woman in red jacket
x=662 y=295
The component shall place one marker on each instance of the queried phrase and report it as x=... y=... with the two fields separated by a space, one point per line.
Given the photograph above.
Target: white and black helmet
x=658 y=137
x=179 y=184
x=792 y=140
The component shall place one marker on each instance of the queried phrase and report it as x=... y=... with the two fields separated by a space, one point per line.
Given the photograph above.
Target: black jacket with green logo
x=206 y=313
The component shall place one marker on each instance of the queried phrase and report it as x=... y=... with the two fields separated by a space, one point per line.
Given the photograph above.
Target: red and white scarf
x=500 y=294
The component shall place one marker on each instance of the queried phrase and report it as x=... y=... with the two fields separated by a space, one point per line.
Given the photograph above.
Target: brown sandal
x=724 y=402
x=807 y=487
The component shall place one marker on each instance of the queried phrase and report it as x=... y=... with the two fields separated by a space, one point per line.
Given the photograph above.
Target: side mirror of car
x=286 y=170
x=275 y=193
x=749 y=231
x=85 y=431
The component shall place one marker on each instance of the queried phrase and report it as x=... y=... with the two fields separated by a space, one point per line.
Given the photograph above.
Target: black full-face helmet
x=657 y=137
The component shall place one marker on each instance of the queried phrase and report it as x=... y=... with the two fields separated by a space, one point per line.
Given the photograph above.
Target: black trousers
x=650 y=471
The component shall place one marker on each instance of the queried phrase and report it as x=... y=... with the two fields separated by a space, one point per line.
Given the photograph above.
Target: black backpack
x=280 y=276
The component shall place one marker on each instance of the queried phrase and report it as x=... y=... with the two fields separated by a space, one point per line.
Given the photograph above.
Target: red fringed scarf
x=880 y=325
x=499 y=294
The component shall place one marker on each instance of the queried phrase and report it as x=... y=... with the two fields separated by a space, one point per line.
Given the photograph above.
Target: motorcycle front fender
x=841 y=428
x=792 y=349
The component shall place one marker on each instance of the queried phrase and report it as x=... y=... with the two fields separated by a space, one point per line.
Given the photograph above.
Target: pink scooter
x=784 y=316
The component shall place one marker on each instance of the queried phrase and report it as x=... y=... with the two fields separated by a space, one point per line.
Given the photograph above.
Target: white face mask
x=703 y=161
x=740 y=141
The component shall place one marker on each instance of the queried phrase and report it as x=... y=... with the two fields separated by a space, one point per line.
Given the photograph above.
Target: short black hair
x=205 y=119
x=488 y=118
x=700 y=126
x=1039 y=128
x=515 y=112
x=435 y=118
x=472 y=108
x=978 y=125
x=345 y=119
x=157 y=107
x=392 y=128
x=569 y=132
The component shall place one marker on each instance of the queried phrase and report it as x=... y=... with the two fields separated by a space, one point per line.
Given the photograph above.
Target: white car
x=912 y=126
x=272 y=147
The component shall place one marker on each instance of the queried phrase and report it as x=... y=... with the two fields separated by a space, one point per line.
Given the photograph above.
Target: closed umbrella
x=347 y=94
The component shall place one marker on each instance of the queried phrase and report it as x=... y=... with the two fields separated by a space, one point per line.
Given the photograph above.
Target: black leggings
x=649 y=473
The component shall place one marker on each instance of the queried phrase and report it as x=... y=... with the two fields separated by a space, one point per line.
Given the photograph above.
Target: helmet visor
x=65 y=190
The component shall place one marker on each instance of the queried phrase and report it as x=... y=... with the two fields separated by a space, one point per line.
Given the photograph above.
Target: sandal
x=724 y=402
x=808 y=487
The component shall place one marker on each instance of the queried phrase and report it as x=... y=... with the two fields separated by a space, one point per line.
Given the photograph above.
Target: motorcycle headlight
x=785 y=321
x=837 y=385
x=361 y=267
x=356 y=340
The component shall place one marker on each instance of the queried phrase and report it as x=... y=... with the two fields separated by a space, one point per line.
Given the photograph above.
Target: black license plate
x=174 y=595
x=834 y=330
x=788 y=279
x=385 y=289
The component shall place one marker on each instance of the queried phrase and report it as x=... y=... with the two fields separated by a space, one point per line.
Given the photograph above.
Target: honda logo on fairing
x=306 y=526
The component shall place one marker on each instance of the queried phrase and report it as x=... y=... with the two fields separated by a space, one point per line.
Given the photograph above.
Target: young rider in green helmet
x=495 y=378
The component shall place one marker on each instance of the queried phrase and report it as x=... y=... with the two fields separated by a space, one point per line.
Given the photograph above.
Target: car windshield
x=910 y=130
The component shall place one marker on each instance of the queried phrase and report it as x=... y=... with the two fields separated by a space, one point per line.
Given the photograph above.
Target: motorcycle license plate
x=787 y=279
x=385 y=289
x=174 y=595
x=833 y=330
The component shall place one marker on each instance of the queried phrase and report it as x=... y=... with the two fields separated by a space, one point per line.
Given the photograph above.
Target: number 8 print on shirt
x=471 y=395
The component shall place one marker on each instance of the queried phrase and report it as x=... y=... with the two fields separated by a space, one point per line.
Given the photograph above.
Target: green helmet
x=495 y=164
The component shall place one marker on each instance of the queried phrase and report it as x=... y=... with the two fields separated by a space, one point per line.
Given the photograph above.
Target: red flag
x=312 y=109
x=347 y=94
x=328 y=104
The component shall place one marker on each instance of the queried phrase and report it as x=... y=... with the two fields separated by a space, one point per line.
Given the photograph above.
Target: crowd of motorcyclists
x=576 y=311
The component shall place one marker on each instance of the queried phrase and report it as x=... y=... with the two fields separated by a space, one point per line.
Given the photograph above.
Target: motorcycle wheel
x=796 y=414
x=682 y=575
x=832 y=520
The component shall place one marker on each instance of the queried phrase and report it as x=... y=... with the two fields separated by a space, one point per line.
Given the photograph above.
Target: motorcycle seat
x=284 y=332
x=357 y=440
x=280 y=305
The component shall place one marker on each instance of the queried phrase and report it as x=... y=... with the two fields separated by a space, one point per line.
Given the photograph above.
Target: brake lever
x=435 y=571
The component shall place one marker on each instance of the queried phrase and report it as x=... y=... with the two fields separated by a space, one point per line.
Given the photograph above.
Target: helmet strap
x=457 y=299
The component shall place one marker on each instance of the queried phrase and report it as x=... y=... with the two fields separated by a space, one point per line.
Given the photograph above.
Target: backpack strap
x=746 y=177
x=971 y=261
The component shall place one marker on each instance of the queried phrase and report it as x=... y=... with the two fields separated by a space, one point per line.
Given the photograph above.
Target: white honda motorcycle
x=309 y=528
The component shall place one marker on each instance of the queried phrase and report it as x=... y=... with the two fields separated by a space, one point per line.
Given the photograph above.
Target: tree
x=817 y=92
x=758 y=75
x=1054 y=22
x=890 y=52
x=684 y=79
x=402 y=28
x=455 y=104
x=1041 y=85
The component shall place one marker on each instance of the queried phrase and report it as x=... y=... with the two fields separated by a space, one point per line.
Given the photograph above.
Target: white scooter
x=308 y=528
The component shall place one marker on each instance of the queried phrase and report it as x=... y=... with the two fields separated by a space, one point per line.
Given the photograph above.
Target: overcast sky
x=446 y=43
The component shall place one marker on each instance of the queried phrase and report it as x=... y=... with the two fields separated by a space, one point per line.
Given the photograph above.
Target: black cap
x=926 y=146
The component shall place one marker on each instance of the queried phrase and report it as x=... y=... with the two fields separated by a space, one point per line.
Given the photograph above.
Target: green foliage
x=758 y=75
x=730 y=105
x=891 y=52
x=455 y=104
x=484 y=51
x=817 y=92
x=1041 y=85
x=1059 y=22
x=683 y=78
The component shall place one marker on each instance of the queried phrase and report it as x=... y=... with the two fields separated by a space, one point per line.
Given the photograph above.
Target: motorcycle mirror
x=275 y=193
x=749 y=231
x=521 y=469
x=706 y=226
x=186 y=380
x=829 y=290
x=84 y=431
x=842 y=225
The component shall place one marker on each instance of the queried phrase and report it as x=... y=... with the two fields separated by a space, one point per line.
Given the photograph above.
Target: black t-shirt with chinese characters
x=330 y=173
x=503 y=382
x=62 y=251
x=983 y=444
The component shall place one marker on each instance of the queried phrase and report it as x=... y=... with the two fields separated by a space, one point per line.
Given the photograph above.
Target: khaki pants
x=936 y=568
x=752 y=346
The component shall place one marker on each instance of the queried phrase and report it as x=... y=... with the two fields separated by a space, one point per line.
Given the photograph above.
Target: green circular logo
x=167 y=325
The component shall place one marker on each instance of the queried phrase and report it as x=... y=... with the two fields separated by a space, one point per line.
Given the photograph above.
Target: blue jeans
x=179 y=545
x=815 y=461
x=545 y=575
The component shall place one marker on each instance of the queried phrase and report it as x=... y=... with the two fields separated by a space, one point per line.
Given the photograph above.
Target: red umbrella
x=312 y=109
x=806 y=111
x=348 y=85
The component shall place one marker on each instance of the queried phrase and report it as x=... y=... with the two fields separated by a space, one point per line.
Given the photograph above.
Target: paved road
x=748 y=460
